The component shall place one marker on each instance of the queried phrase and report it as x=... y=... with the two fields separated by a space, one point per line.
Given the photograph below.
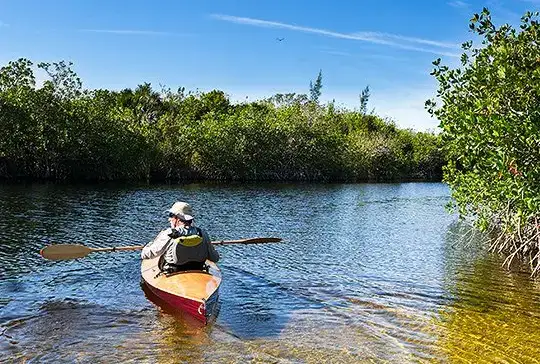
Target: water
x=366 y=273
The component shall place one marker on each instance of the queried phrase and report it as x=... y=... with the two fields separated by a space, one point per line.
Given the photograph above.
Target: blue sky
x=232 y=45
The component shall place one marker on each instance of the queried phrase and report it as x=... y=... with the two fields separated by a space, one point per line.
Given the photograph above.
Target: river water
x=366 y=273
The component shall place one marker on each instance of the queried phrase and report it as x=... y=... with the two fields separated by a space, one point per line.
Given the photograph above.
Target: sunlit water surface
x=366 y=273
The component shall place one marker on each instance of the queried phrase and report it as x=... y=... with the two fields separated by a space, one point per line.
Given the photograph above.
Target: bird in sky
x=280 y=39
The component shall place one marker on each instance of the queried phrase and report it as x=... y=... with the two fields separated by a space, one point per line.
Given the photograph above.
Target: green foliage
x=364 y=98
x=315 y=88
x=490 y=116
x=62 y=132
x=63 y=80
x=17 y=76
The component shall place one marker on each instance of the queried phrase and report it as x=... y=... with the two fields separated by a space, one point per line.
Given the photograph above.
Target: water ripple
x=365 y=273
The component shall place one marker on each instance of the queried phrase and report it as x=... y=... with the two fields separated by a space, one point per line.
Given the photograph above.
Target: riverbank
x=63 y=132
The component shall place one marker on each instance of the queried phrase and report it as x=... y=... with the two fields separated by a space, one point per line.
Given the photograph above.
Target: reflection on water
x=494 y=315
x=366 y=273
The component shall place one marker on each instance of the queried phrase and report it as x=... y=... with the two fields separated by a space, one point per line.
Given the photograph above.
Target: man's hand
x=174 y=234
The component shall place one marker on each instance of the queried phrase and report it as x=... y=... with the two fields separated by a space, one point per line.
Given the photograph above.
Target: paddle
x=74 y=251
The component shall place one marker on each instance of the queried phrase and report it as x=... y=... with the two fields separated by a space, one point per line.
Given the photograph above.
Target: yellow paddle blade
x=65 y=251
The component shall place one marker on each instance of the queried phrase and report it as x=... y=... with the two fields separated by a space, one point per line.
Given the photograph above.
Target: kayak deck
x=195 y=292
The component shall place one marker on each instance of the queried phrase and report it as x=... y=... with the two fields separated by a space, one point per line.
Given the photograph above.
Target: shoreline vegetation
x=62 y=132
x=490 y=116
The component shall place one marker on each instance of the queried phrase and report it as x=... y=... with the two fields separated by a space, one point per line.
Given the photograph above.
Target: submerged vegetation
x=60 y=131
x=490 y=116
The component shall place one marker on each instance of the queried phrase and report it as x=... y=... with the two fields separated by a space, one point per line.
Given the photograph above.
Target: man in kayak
x=183 y=246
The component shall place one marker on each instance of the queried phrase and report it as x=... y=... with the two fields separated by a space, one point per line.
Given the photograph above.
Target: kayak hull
x=203 y=311
x=193 y=292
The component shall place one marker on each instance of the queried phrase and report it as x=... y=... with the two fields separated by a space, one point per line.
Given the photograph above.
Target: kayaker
x=183 y=246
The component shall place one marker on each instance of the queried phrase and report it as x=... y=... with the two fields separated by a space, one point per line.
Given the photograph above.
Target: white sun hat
x=182 y=210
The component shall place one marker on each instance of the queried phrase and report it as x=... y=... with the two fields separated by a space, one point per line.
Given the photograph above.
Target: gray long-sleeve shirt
x=175 y=252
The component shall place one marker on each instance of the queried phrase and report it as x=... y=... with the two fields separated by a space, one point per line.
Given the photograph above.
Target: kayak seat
x=173 y=268
x=205 y=271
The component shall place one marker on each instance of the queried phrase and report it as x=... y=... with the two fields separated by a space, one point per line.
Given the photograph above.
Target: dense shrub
x=61 y=131
x=490 y=116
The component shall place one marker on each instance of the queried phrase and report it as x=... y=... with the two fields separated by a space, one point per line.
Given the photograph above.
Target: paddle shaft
x=74 y=251
x=247 y=241
x=217 y=242
x=115 y=248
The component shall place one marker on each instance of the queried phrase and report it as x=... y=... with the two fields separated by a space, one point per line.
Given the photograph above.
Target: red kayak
x=195 y=292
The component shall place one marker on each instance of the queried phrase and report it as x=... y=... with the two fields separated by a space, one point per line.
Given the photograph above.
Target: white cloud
x=131 y=32
x=336 y=53
x=362 y=55
x=459 y=4
x=390 y=40
x=382 y=36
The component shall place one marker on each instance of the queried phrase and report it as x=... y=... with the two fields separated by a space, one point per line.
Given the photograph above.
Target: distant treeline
x=60 y=131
